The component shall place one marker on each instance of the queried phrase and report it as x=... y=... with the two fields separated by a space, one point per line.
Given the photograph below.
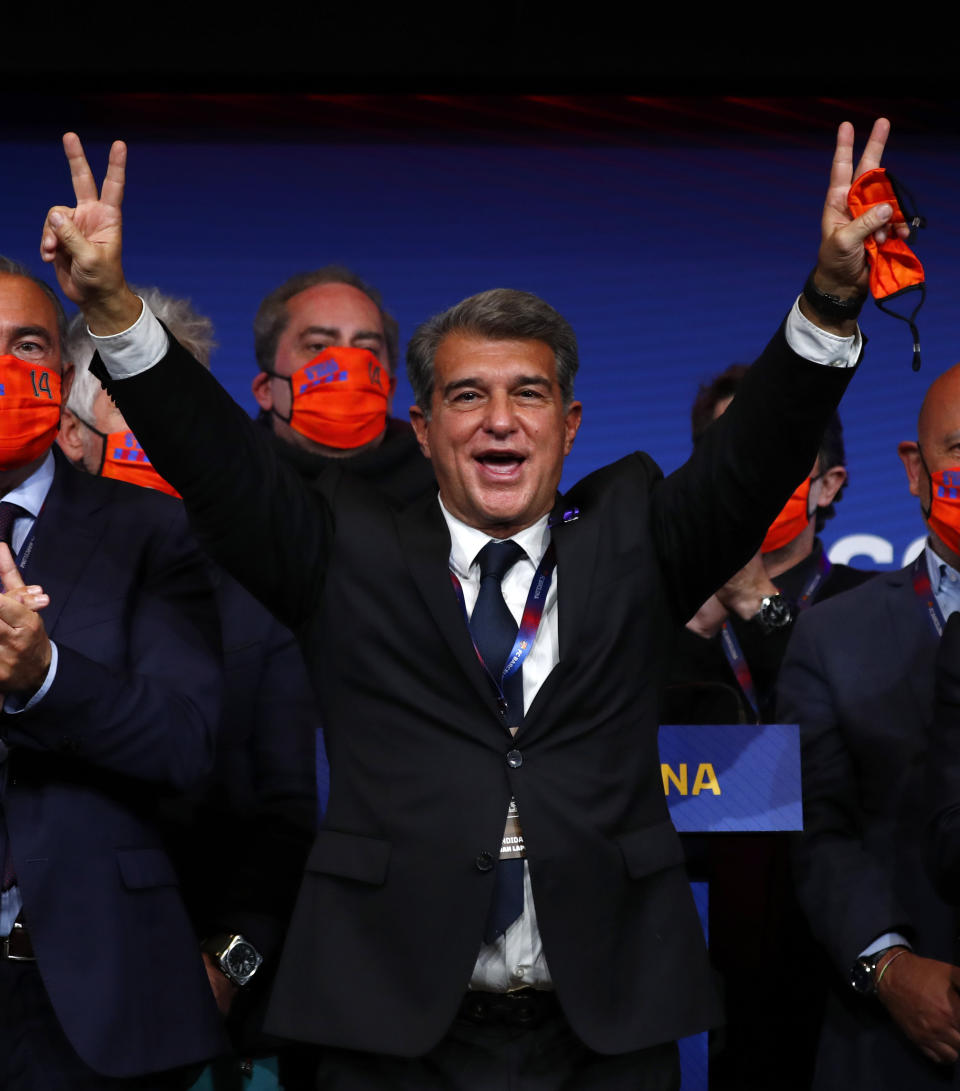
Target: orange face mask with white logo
x=29 y=411
x=792 y=520
x=340 y=398
x=123 y=459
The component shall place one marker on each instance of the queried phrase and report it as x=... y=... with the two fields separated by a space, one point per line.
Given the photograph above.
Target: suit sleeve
x=943 y=768
x=154 y=718
x=846 y=892
x=258 y=891
x=710 y=516
x=251 y=512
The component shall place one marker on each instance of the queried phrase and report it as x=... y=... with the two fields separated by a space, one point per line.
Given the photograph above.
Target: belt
x=17 y=946
x=520 y=1008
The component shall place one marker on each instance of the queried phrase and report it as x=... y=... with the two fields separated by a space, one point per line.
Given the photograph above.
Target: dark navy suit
x=858 y=678
x=130 y=716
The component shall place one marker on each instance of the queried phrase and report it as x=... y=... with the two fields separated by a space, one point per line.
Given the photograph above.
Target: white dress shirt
x=516 y=959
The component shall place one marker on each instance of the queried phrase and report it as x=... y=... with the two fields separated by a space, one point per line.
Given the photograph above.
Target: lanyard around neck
x=923 y=591
x=529 y=622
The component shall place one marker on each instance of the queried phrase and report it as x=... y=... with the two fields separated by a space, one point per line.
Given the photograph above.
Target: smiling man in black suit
x=432 y=946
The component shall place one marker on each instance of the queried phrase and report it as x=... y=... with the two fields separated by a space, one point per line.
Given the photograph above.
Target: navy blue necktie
x=8 y=514
x=495 y=631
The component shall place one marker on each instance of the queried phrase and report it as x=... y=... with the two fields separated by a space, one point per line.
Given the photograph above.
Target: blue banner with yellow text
x=730 y=778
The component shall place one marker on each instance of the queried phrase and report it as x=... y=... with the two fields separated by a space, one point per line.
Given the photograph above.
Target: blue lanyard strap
x=529 y=621
x=734 y=652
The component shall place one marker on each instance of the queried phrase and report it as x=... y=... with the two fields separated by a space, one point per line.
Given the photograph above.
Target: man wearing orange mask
x=327 y=352
x=859 y=679
x=727 y=661
x=110 y=698
x=724 y=670
x=241 y=849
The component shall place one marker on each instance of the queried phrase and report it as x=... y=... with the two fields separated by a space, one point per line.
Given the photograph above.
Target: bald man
x=858 y=678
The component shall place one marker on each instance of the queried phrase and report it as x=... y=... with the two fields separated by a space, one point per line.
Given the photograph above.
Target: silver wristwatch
x=236 y=957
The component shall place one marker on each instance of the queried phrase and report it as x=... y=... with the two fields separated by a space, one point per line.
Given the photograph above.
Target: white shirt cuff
x=133 y=350
x=881 y=943
x=13 y=702
x=818 y=346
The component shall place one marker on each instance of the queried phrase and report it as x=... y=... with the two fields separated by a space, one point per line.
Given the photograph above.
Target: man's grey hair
x=501 y=314
x=272 y=314
x=9 y=267
x=193 y=330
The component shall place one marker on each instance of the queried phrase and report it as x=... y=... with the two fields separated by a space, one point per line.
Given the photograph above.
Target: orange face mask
x=29 y=411
x=340 y=398
x=124 y=459
x=943 y=515
x=791 y=522
x=894 y=268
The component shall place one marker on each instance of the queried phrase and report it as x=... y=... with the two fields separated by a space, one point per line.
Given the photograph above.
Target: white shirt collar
x=32 y=493
x=466 y=541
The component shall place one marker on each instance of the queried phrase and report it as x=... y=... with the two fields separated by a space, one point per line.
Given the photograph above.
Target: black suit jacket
x=130 y=716
x=858 y=678
x=396 y=892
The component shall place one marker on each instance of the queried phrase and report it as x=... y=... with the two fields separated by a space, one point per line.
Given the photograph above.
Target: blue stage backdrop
x=671 y=259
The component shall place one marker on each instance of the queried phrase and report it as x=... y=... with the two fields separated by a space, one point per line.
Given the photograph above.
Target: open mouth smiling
x=499 y=464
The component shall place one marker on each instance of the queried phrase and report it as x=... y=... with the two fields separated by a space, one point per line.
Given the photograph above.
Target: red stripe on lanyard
x=923 y=589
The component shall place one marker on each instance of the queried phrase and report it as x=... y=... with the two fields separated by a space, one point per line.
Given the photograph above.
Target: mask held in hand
x=895 y=271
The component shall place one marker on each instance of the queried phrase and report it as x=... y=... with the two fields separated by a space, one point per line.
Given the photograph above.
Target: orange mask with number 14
x=29 y=411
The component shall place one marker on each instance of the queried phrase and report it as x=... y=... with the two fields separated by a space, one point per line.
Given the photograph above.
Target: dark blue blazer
x=131 y=715
x=858 y=678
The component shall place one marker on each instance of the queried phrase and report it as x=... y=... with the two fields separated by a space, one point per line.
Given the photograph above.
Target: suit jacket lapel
x=64 y=538
x=426 y=546
x=915 y=639
x=574 y=538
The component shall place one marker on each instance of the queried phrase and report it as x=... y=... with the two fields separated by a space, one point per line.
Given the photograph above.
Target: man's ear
x=831 y=482
x=909 y=452
x=262 y=391
x=419 y=421
x=70 y=436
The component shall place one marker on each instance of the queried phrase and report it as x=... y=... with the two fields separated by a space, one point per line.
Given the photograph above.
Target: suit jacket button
x=514 y=759
x=484 y=862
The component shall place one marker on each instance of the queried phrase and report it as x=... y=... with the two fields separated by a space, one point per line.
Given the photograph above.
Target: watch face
x=242 y=959
x=861 y=977
x=775 y=612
